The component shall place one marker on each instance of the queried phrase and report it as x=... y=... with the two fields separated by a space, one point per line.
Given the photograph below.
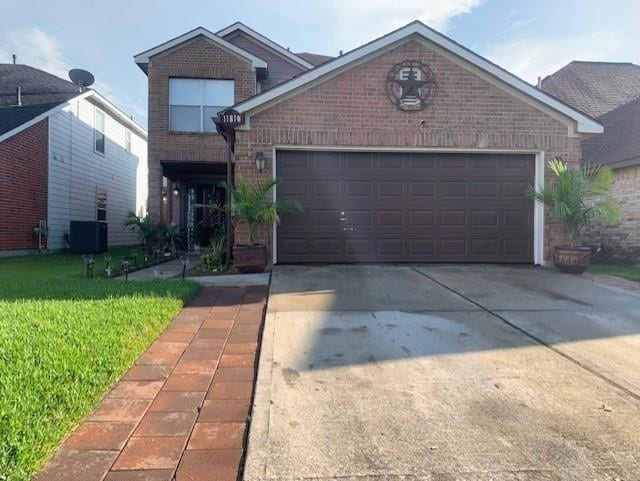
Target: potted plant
x=576 y=197
x=253 y=205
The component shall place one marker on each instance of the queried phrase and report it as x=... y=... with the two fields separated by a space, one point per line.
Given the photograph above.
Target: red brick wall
x=352 y=109
x=23 y=186
x=621 y=242
x=198 y=58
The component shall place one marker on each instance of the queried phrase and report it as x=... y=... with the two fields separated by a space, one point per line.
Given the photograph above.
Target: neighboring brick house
x=64 y=155
x=410 y=148
x=609 y=92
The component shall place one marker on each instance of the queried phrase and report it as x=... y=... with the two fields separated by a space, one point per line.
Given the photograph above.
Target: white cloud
x=362 y=20
x=35 y=48
x=532 y=57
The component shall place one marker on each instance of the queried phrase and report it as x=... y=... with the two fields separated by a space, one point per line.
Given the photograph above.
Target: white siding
x=77 y=173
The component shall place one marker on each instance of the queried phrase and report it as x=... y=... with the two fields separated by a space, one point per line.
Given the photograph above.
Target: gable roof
x=292 y=57
x=315 y=58
x=42 y=94
x=37 y=86
x=142 y=59
x=584 y=124
x=594 y=87
x=619 y=146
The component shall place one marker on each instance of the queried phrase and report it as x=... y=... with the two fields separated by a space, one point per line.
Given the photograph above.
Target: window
x=127 y=140
x=101 y=205
x=98 y=131
x=192 y=103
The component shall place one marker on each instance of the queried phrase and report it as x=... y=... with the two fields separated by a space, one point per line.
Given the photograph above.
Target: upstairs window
x=193 y=102
x=98 y=131
x=127 y=140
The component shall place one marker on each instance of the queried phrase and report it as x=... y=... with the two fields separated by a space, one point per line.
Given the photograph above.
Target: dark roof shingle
x=40 y=92
x=12 y=117
x=619 y=145
x=595 y=88
x=314 y=58
x=38 y=87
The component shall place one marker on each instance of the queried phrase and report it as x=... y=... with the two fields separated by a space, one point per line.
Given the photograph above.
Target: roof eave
x=583 y=124
x=143 y=57
x=292 y=57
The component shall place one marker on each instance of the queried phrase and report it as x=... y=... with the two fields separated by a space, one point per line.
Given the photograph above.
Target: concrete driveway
x=446 y=373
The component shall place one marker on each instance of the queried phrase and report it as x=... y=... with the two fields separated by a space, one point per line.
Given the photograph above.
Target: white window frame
x=202 y=82
x=97 y=111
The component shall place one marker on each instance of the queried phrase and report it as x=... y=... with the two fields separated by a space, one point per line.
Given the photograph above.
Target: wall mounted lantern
x=260 y=161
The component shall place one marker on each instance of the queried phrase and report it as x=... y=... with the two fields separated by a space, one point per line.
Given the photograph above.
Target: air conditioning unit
x=88 y=237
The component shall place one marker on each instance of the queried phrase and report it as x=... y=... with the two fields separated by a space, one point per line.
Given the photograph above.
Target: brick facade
x=23 y=186
x=352 y=109
x=197 y=58
x=622 y=242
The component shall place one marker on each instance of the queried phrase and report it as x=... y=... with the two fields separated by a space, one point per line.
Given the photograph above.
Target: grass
x=631 y=273
x=64 y=340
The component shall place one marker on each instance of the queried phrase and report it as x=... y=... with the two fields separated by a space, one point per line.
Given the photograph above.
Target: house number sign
x=230 y=118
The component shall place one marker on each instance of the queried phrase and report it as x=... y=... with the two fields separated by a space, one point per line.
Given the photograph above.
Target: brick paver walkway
x=181 y=412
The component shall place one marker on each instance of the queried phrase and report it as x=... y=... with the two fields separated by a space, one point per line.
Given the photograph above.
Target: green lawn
x=64 y=340
x=631 y=273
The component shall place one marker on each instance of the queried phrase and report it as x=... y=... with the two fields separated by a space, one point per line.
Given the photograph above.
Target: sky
x=529 y=38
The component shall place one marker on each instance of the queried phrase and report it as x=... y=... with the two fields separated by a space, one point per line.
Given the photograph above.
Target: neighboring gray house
x=609 y=92
x=65 y=155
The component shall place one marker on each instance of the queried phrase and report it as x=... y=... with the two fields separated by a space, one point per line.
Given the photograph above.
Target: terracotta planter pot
x=572 y=260
x=250 y=258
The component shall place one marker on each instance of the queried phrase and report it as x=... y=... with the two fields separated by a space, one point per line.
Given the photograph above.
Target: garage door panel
x=514 y=190
x=421 y=162
x=327 y=247
x=410 y=207
x=325 y=217
x=390 y=189
x=421 y=218
x=453 y=247
x=453 y=217
x=362 y=248
x=357 y=188
x=484 y=218
x=422 y=189
x=484 y=190
x=326 y=188
x=455 y=189
x=485 y=247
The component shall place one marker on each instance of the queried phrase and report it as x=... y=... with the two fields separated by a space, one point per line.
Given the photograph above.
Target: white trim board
x=143 y=57
x=584 y=124
x=89 y=94
x=538 y=210
x=292 y=57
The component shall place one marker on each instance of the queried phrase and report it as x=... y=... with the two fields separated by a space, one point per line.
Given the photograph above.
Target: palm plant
x=171 y=235
x=253 y=204
x=143 y=226
x=577 y=197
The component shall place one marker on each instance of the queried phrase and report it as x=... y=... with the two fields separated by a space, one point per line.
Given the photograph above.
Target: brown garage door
x=406 y=207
